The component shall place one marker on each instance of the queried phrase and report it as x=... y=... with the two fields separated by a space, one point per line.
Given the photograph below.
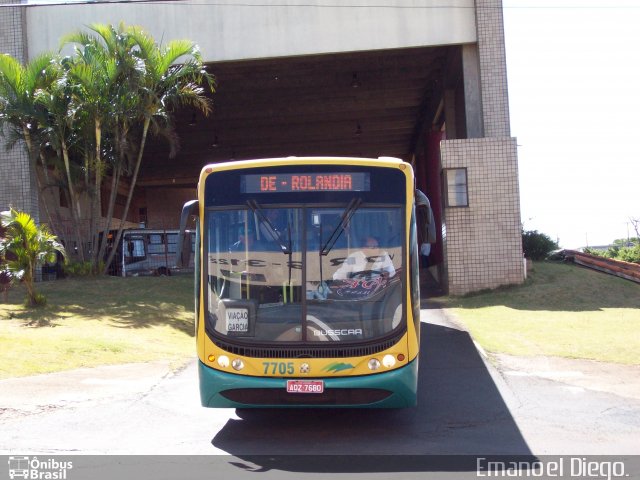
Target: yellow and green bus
x=307 y=282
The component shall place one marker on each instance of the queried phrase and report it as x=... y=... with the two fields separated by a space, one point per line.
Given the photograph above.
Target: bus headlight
x=237 y=364
x=374 y=364
x=223 y=361
x=388 y=361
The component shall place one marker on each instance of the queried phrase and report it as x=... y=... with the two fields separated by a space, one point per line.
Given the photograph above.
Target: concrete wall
x=227 y=30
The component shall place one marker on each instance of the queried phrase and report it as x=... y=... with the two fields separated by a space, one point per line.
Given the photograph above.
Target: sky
x=574 y=95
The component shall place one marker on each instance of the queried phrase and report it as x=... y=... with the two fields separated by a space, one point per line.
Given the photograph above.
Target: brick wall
x=483 y=243
x=164 y=206
x=17 y=186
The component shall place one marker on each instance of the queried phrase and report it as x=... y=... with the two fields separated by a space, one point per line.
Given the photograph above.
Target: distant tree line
x=84 y=120
x=625 y=249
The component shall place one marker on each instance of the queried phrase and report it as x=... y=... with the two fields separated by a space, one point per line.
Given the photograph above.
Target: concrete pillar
x=474 y=121
x=493 y=68
x=17 y=184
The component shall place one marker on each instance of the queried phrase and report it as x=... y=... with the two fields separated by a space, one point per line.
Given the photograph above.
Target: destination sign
x=306 y=182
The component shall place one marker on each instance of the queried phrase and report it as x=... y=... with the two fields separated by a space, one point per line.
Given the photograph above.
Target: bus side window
x=156 y=243
x=135 y=248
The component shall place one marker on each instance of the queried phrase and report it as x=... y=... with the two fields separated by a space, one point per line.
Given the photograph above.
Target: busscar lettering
x=338 y=332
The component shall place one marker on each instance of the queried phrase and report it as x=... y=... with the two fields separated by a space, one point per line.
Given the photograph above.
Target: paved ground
x=467 y=405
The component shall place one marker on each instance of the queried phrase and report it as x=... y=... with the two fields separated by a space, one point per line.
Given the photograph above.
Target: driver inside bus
x=370 y=258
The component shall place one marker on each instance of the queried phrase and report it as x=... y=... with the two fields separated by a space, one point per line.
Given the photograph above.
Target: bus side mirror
x=183 y=248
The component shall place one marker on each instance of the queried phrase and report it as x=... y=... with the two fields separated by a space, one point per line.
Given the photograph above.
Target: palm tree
x=173 y=77
x=60 y=132
x=108 y=56
x=30 y=246
x=93 y=76
x=99 y=106
x=121 y=78
x=21 y=117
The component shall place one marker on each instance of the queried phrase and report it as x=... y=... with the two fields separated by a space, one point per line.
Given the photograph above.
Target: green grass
x=562 y=310
x=90 y=322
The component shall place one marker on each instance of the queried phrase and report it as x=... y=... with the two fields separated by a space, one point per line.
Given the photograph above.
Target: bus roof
x=381 y=161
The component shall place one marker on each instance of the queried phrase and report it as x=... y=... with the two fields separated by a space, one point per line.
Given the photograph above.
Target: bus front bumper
x=391 y=389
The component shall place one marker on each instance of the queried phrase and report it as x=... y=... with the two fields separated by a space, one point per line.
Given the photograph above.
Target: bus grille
x=335 y=396
x=308 y=352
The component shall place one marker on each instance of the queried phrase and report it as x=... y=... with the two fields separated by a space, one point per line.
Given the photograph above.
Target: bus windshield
x=326 y=273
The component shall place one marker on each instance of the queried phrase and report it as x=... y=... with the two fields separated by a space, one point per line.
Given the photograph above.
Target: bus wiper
x=271 y=230
x=344 y=220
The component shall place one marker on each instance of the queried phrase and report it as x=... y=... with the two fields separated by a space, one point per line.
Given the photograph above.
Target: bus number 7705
x=281 y=368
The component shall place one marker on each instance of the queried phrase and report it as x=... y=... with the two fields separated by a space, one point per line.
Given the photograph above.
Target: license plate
x=305 y=386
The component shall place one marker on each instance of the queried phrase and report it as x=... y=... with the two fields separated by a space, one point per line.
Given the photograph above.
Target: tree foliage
x=536 y=245
x=86 y=119
x=625 y=249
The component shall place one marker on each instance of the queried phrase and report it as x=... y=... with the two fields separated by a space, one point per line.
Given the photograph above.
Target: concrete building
x=421 y=80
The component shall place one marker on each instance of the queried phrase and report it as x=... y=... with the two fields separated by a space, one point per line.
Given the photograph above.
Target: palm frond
x=107 y=34
x=11 y=75
x=79 y=38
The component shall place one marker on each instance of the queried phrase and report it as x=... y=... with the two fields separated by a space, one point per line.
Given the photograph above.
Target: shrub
x=618 y=252
x=78 y=269
x=25 y=247
x=536 y=245
x=629 y=254
x=38 y=300
x=596 y=252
